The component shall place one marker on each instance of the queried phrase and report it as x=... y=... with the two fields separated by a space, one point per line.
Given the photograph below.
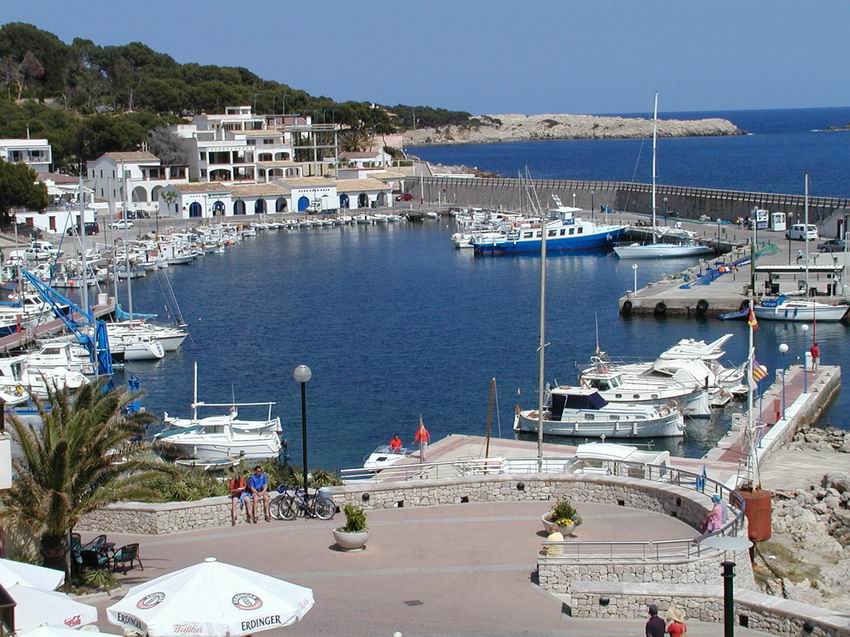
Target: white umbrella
x=53 y=631
x=211 y=599
x=47 y=608
x=46 y=579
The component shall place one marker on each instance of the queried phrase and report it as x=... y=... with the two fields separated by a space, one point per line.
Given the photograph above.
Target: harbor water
x=395 y=323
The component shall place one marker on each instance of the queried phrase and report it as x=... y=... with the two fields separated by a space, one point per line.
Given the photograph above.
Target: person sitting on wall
x=716 y=517
x=238 y=494
x=258 y=487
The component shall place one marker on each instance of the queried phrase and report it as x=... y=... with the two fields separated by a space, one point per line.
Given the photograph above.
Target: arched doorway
x=140 y=195
x=155 y=193
x=281 y=156
x=239 y=207
x=218 y=209
x=382 y=199
x=195 y=209
x=363 y=200
x=260 y=207
x=344 y=201
x=280 y=204
x=303 y=204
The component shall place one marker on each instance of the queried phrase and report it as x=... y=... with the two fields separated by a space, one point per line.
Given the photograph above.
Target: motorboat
x=384 y=456
x=17 y=375
x=692 y=349
x=691 y=399
x=785 y=309
x=565 y=233
x=583 y=412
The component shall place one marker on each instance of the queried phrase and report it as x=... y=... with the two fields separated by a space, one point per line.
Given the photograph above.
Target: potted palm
x=352 y=536
x=562 y=517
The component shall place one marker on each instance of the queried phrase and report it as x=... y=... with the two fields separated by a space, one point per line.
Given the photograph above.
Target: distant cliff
x=513 y=127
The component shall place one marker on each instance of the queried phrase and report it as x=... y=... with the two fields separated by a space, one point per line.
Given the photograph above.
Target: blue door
x=303 y=204
x=344 y=201
x=195 y=209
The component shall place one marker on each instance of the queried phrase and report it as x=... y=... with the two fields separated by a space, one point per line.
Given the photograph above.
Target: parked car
x=832 y=245
x=799 y=232
x=404 y=197
x=704 y=218
x=90 y=228
x=121 y=224
x=672 y=214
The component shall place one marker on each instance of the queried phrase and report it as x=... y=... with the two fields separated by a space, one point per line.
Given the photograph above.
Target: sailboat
x=658 y=250
x=783 y=308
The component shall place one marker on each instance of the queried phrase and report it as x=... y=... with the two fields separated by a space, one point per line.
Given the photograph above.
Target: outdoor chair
x=125 y=556
x=76 y=547
x=95 y=544
x=93 y=559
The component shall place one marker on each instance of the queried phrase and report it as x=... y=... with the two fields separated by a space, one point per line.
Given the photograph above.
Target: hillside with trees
x=87 y=98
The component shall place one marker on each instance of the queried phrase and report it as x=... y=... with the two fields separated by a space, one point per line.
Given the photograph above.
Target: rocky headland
x=514 y=127
x=808 y=557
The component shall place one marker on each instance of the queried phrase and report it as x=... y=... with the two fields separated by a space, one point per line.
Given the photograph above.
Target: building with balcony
x=35 y=153
x=135 y=177
x=365 y=159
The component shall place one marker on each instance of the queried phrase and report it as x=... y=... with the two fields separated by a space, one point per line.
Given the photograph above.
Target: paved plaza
x=464 y=569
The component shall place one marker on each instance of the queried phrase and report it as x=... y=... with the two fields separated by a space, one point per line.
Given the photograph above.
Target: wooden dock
x=19 y=340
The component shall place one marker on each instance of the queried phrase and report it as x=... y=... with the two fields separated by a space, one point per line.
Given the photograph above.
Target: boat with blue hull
x=565 y=233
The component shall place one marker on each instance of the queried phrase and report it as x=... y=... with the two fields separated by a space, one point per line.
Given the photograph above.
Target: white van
x=798 y=232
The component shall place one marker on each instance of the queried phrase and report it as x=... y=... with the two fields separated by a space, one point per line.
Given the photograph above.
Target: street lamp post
x=634 y=270
x=783 y=349
x=665 y=211
x=805 y=329
x=592 y=206
x=717 y=246
x=574 y=200
x=302 y=376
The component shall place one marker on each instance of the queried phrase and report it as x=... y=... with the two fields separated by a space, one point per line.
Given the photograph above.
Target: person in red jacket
x=815 y=352
x=422 y=437
x=395 y=444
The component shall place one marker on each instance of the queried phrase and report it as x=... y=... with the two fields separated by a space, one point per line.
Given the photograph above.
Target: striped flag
x=759 y=371
x=751 y=319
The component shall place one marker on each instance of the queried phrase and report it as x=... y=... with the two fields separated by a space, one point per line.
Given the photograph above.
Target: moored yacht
x=785 y=309
x=583 y=412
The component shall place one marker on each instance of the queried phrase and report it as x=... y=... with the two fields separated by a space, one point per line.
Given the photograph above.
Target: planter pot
x=551 y=527
x=351 y=541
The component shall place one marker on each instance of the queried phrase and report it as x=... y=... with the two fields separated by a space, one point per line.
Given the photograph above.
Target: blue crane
x=97 y=346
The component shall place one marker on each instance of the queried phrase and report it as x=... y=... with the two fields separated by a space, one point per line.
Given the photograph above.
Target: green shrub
x=355 y=519
x=98 y=579
x=183 y=485
x=564 y=513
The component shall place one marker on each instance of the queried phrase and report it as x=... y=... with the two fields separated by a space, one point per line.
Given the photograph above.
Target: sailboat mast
x=195 y=393
x=654 y=145
x=541 y=379
x=111 y=231
x=127 y=244
x=806 y=222
x=82 y=245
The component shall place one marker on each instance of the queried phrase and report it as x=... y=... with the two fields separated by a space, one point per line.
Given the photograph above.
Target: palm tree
x=81 y=459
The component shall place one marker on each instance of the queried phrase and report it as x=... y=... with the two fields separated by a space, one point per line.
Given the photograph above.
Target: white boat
x=170 y=337
x=16 y=375
x=784 y=309
x=135 y=347
x=384 y=457
x=583 y=412
x=656 y=250
x=691 y=399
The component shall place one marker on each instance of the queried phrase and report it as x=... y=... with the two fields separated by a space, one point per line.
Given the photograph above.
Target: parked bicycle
x=290 y=503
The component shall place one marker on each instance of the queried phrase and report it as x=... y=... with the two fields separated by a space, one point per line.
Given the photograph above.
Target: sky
x=495 y=56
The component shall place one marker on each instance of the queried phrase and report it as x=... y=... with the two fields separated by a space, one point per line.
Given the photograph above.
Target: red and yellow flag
x=751 y=320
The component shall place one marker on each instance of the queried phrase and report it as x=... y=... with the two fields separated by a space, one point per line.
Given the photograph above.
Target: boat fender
x=626 y=310
x=660 y=308
x=702 y=307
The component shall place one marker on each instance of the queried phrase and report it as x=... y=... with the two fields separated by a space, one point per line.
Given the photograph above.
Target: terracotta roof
x=133 y=156
x=211 y=186
x=360 y=185
x=307 y=182
x=358 y=155
x=57 y=178
x=259 y=190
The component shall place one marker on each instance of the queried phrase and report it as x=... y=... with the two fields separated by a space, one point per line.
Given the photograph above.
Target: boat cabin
x=573 y=398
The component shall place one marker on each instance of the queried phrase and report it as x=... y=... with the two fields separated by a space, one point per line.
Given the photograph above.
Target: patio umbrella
x=52 y=631
x=48 y=608
x=46 y=579
x=211 y=599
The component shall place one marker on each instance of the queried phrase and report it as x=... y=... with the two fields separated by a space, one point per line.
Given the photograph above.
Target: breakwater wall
x=510 y=194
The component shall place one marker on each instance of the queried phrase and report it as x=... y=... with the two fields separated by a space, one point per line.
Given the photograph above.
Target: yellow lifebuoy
x=19 y=390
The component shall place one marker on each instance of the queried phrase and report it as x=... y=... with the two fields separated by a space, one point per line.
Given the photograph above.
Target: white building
x=141 y=182
x=365 y=159
x=364 y=193
x=35 y=153
x=55 y=220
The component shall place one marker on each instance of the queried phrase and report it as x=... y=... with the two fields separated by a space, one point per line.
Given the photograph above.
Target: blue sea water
x=396 y=323
x=781 y=146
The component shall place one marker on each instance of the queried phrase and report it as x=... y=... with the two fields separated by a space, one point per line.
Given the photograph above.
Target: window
x=580 y=230
x=203 y=156
x=539 y=234
x=636 y=396
x=589 y=417
x=203 y=172
x=572 y=230
x=615 y=417
x=552 y=233
x=101 y=174
x=563 y=232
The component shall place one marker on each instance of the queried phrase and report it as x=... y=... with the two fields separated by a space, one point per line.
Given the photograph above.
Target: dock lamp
x=302 y=376
x=592 y=205
x=805 y=329
x=665 y=211
x=634 y=270
x=574 y=200
x=783 y=349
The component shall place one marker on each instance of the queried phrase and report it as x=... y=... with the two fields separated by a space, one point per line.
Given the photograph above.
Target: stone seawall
x=773 y=615
x=509 y=194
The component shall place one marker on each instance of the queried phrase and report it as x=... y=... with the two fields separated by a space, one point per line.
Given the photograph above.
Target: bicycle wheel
x=275 y=506
x=288 y=508
x=325 y=508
